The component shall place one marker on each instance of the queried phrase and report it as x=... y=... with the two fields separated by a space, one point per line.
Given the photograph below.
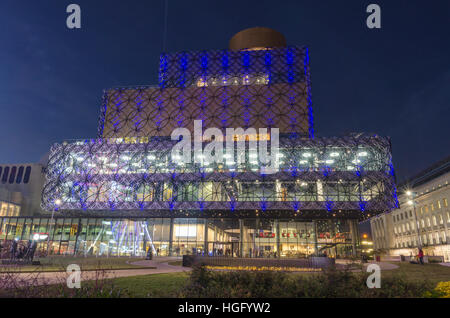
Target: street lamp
x=57 y=204
x=412 y=202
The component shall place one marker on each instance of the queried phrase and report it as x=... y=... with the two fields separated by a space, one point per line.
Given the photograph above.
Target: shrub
x=442 y=290
x=330 y=283
x=14 y=284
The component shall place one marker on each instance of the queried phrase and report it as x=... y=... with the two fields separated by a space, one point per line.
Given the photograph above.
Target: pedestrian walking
x=420 y=256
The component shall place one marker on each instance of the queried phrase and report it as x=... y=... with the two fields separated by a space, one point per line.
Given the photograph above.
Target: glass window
x=5 y=174
x=3 y=209
x=12 y=175
x=444 y=200
x=19 y=175
x=20 y=228
x=3 y=222
x=28 y=229
x=11 y=230
x=26 y=178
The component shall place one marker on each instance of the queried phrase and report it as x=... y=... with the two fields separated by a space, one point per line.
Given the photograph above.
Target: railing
x=233 y=262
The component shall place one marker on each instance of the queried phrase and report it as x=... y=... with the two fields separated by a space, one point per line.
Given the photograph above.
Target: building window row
x=15 y=174
x=429 y=239
x=433 y=207
x=9 y=209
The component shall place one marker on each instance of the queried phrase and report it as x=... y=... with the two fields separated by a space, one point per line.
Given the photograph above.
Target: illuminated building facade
x=124 y=192
x=424 y=224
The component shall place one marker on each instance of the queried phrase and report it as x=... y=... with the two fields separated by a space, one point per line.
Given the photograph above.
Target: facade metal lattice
x=128 y=170
x=317 y=178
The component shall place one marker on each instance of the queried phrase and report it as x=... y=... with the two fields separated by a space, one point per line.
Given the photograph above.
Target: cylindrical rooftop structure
x=257 y=38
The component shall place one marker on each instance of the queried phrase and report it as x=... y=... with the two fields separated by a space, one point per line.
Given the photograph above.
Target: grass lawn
x=155 y=285
x=59 y=263
x=432 y=272
x=167 y=285
x=176 y=263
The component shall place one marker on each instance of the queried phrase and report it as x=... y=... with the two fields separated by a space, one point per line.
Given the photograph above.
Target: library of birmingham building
x=125 y=192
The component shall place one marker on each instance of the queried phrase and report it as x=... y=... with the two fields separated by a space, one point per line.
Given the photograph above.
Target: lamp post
x=57 y=203
x=412 y=196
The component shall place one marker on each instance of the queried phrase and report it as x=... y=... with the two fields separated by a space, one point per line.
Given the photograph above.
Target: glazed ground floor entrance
x=227 y=237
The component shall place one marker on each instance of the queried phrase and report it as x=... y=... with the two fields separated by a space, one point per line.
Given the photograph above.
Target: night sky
x=394 y=81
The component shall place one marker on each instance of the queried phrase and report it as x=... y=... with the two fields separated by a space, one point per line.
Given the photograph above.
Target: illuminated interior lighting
x=334 y=154
x=362 y=154
x=306 y=155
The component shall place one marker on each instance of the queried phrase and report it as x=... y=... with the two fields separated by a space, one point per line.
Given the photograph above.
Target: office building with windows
x=125 y=192
x=20 y=189
x=423 y=219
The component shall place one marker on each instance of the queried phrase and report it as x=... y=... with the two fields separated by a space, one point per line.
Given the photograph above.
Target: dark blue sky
x=394 y=81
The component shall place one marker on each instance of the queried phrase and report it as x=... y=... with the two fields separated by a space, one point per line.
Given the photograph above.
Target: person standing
x=420 y=256
x=13 y=249
x=33 y=250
